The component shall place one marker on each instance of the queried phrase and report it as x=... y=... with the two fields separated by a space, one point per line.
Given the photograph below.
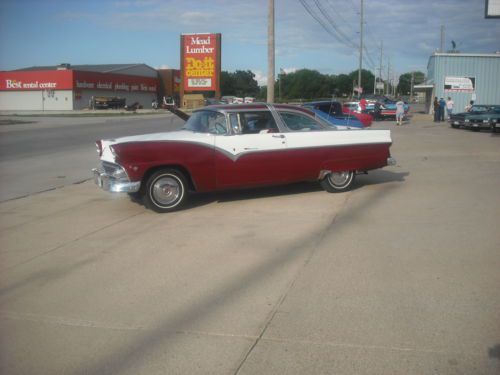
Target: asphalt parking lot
x=398 y=276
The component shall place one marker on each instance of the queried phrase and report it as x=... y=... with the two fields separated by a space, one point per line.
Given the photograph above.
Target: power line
x=332 y=28
x=325 y=26
x=334 y=25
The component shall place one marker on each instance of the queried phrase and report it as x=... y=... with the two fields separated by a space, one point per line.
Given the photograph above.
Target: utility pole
x=360 y=47
x=279 y=84
x=388 y=77
x=270 y=53
x=441 y=49
x=411 y=86
x=380 y=67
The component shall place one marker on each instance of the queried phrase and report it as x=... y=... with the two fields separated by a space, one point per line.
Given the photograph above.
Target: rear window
x=299 y=122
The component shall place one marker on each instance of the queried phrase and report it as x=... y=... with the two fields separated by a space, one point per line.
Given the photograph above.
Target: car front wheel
x=166 y=191
x=338 y=181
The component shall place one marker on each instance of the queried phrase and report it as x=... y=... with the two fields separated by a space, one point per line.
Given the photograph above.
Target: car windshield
x=206 y=122
x=479 y=108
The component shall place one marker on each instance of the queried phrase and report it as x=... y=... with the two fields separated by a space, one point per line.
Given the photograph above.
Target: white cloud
x=260 y=77
x=409 y=30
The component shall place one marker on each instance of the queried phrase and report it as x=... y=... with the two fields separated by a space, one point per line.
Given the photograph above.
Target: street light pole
x=360 y=48
x=270 y=53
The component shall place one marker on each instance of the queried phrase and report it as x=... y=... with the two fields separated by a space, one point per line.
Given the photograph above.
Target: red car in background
x=354 y=108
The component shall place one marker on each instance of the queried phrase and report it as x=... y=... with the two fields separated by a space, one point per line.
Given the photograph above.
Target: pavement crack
x=321 y=236
x=72 y=241
x=65 y=321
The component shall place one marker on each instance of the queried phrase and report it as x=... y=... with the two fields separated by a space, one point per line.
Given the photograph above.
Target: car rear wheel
x=166 y=190
x=338 y=181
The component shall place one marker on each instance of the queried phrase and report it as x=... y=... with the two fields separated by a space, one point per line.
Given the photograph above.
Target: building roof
x=458 y=54
x=101 y=68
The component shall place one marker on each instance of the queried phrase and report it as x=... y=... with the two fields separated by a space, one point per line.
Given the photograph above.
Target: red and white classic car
x=234 y=146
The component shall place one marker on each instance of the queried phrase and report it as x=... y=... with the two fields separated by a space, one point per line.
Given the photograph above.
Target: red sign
x=74 y=79
x=199 y=61
x=36 y=80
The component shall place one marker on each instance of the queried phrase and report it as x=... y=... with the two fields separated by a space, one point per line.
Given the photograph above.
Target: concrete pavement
x=398 y=276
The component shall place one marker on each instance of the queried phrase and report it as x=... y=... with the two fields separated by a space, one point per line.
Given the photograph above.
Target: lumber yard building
x=76 y=87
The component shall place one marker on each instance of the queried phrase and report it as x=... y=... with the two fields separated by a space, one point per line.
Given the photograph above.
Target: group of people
x=440 y=106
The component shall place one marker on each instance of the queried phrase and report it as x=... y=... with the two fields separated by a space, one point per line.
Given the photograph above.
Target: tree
x=240 y=83
x=226 y=84
x=404 y=86
x=342 y=85
x=245 y=83
x=367 y=80
x=304 y=84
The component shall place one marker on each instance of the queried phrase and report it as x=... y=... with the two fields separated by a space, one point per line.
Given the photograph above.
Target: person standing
x=442 y=105
x=400 y=112
x=449 y=107
x=435 y=106
x=362 y=104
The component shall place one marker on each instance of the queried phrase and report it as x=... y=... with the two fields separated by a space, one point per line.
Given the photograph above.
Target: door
x=253 y=153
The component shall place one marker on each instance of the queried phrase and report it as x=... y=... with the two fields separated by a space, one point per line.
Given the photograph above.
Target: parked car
x=332 y=112
x=495 y=120
x=133 y=107
x=483 y=120
x=105 y=102
x=462 y=119
x=234 y=146
x=373 y=109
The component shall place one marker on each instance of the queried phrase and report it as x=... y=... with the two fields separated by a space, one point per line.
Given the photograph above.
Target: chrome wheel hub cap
x=339 y=178
x=166 y=190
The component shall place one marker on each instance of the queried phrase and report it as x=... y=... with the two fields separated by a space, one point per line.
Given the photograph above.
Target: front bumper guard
x=110 y=183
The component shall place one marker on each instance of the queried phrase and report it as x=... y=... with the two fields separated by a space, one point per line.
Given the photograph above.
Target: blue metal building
x=463 y=77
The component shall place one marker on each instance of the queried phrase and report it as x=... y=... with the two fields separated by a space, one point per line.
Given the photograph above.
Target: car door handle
x=278 y=136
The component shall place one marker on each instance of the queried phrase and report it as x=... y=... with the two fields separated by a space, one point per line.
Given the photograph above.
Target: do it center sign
x=200 y=54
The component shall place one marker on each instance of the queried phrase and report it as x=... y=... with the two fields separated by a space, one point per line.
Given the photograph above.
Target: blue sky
x=49 y=32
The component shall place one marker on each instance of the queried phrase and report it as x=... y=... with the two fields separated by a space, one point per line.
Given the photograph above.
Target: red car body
x=365 y=118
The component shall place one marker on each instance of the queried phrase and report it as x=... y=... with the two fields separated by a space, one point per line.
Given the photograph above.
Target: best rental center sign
x=200 y=62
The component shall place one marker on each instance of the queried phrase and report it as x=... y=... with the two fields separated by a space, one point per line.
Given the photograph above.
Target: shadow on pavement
x=375 y=177
x=136 y=351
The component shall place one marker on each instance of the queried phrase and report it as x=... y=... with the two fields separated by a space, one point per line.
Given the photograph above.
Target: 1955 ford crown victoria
x=234 y=146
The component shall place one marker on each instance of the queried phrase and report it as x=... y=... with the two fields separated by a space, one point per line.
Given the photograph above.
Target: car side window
x=217 y=124
x=207 y=122
x=326 y=108
x=257 y=122
x=299 y=122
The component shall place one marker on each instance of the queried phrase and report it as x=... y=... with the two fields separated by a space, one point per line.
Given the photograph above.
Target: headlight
x=98 y=145
x=486 y=120
x=119 y=173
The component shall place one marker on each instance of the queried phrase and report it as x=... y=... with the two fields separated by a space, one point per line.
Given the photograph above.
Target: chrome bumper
x=110 y=183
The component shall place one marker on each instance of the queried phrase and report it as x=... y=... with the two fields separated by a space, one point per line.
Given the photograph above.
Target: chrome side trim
x=323 y=173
